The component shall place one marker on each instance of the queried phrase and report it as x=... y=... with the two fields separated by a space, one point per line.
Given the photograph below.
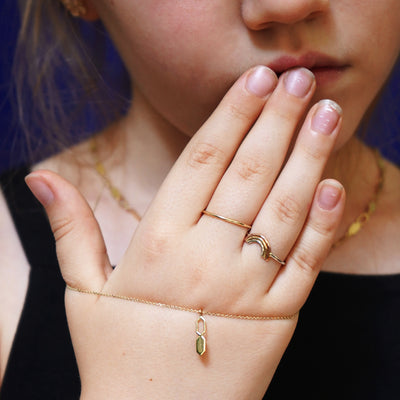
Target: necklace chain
x=364 y=217
x=114 y=191
x=352 y=230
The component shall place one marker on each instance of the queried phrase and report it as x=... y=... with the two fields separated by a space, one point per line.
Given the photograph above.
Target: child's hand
x=238 y=165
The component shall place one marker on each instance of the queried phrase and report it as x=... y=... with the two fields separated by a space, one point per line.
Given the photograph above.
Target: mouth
x=325 y=68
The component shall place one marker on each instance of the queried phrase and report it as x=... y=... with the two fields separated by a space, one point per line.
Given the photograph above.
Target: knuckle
x=84 y=226
x=62 y=227
x=314 y=153
x=203 y=154
x=287 y=209
x=154 y=244
x=306 y=259
x=323 y=227
x=250 y=168
x=283 y=116
x=234 y=111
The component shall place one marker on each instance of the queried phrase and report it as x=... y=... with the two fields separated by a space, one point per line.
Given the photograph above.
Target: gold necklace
x=352 y=230
x=364 y=217
x=114 y=191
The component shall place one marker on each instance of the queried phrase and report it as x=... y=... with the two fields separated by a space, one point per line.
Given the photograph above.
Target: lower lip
x=327 y=75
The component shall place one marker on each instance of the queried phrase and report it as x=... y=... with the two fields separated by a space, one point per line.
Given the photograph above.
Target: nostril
x=259 y=15
x=313 y=15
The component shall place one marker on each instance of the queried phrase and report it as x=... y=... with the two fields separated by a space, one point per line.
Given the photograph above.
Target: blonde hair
x=57 y=81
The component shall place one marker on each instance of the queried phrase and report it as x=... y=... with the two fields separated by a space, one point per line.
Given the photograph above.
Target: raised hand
x=244 y=164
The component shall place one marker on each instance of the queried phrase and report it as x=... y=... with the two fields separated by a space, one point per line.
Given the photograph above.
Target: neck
x=144 y=148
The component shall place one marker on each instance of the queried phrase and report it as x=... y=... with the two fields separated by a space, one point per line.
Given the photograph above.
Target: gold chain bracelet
x=201 y=327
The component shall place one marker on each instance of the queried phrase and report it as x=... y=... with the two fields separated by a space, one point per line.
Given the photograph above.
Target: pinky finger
x=294 y=282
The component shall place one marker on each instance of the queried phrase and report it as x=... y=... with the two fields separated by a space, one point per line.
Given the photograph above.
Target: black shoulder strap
x=30 y=220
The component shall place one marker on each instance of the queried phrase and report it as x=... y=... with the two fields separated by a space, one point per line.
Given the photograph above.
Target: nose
x=261 y=14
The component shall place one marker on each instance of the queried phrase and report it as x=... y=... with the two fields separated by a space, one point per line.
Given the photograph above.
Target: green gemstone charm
x=201 y=344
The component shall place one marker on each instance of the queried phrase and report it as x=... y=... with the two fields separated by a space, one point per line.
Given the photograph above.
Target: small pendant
x=201 y=329
x=354 y=228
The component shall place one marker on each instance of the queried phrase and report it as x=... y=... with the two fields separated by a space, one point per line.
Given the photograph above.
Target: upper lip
x=310 y=60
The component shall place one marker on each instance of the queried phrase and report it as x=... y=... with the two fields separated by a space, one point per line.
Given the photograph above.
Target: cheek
x=176 y=52
x=183 y=54
x=371 y=34
x=371 y=39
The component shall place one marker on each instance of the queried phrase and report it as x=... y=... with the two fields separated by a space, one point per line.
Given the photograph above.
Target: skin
x=232 y=166
x=180 y=82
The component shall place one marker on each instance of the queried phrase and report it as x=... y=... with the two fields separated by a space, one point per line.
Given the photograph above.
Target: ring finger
x=283 y=214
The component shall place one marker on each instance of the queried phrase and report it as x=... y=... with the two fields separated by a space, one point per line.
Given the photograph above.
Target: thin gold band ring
x=225 y=219
x=265 y=247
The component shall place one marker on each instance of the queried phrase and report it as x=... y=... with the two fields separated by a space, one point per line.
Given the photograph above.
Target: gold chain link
x=364 y=217
x=114 y=191
x=183 y=308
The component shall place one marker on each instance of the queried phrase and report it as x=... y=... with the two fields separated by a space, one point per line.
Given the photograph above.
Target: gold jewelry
x=265 y=247
x=364 y=217
x=201 y=344
x=115 y=193
x=75 y=7
x=201 y=340
x=225 y=219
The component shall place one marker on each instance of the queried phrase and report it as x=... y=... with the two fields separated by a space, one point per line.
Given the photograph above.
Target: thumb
x=80 y=245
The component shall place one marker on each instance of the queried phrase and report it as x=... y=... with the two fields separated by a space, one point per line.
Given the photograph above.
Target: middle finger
x=257 y=163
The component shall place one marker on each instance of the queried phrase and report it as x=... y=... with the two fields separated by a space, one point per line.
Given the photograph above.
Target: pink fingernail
x=261 y=81
x=326 y=117
x=329 y=195
x=298 y=81
x=40 y=189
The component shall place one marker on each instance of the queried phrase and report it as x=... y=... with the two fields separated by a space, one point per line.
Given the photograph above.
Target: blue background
x=383 y=131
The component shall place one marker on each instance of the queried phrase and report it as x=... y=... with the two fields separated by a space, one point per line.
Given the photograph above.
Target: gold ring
x=265 y=247
x=225 y=219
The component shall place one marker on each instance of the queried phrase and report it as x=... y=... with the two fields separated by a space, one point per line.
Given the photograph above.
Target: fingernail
x=326 y=117
x=298 y=81
x=261 y=81
x=40 y=189
x=329 y=195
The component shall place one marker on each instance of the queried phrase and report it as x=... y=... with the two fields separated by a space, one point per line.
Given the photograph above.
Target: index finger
x=194 y=177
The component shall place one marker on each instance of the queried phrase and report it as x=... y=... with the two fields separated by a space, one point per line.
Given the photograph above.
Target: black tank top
x=42 y=362
x=346 y=344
